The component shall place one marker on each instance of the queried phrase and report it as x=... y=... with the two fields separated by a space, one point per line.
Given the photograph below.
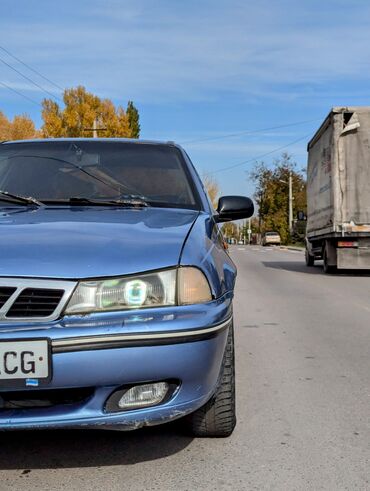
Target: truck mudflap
x=351 y=258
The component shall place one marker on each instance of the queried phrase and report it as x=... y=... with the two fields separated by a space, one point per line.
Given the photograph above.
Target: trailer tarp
x=338 y=173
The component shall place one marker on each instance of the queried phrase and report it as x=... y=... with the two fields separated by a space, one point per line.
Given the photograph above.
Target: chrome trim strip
x=99 y=342
x=23 y=283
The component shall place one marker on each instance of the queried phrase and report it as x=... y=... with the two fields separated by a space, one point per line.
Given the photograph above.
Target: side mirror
x=234 y=208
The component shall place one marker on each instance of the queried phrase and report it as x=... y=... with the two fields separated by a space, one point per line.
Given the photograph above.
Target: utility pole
x=290 y=203
x=249 y=231
x=95 y=129
x=260 y=218
x=290 y=186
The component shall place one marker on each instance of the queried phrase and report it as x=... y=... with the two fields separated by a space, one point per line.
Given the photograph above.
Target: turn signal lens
x=193 y=287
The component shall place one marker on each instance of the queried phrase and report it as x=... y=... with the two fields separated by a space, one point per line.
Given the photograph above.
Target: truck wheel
x=310 y=260
x=217 y=418
x=328 y=269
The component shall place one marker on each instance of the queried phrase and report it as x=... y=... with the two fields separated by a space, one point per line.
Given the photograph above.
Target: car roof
x=119 y=140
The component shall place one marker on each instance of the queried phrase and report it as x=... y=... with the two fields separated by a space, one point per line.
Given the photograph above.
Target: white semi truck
x=338 y=191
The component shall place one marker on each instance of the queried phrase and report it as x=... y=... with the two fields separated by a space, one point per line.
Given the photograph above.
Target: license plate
x=27 y=362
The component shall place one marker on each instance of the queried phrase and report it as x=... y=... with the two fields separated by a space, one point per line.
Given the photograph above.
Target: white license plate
x=24 y=360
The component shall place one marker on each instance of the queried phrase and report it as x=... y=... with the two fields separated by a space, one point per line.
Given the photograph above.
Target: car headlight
x=180 y=286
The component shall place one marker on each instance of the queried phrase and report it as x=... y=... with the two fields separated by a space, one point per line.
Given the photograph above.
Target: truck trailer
x=338 y=191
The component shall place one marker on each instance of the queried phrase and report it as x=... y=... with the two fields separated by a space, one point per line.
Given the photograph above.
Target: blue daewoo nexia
x=115 y=288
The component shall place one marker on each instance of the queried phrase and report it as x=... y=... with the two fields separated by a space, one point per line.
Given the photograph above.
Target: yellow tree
x=81 y=111
x=4 y=127
x=21 y=128
x=213 y=189
x=53 y=120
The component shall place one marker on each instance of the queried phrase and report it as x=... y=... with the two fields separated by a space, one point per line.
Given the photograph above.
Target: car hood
x=88 y=242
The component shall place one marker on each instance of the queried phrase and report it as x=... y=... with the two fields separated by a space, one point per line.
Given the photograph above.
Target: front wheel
x=217 y=418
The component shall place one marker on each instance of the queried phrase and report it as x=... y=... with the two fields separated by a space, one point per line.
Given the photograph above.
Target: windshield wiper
x=124 y=201
x=21 y=200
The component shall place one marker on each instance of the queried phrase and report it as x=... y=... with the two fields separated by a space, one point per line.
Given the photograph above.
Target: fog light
x=143 y=396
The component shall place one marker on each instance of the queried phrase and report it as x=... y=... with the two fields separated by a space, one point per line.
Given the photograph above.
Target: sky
x=233 y=81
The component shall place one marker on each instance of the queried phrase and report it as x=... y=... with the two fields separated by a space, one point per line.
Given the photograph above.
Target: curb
x=292 y=248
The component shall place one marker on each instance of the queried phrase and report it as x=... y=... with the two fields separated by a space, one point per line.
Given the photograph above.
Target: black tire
x=328 y=269
x=310 y=260
x=217 y=418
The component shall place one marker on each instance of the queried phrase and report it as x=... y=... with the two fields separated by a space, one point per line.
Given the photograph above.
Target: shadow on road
x=296 y=266
x=88 y=448
x=300 y=267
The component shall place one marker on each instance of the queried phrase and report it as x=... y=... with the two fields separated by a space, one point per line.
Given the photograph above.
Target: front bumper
x=107 y=351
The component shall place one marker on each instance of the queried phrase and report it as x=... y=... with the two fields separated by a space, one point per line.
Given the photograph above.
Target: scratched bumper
x=193 y=362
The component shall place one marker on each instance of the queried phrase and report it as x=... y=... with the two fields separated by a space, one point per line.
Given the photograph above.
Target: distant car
x=115 y=288
x=241 y=242
x=271 y=238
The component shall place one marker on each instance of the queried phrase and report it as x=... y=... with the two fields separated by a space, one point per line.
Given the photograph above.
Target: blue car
x=115 y=288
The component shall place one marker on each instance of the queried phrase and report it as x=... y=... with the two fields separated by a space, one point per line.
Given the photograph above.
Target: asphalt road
x=303 y=383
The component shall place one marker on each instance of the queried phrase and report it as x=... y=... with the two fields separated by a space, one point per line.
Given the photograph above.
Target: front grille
x=5 y=293
x=35 y=302
x=33 y=299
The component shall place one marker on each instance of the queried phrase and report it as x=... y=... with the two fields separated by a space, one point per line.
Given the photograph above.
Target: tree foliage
x=213 y=189
x=81 y=109
x=20 y=128
x=272 y=194
x=133 y=119
x=230 y=230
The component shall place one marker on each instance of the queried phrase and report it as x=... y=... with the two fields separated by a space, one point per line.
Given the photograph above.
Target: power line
x=260 y=156
x=20 y=93
x=30 y=68
x=30 y=80
x=249 y=132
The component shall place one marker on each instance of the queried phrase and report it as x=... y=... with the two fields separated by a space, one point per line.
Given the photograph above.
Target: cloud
x=195 y=51
x=24 y=87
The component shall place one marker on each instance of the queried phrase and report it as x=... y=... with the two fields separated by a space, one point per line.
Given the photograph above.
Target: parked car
x=115 y=288
x=271 y=238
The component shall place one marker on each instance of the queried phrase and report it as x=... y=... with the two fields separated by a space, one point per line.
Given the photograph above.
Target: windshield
x=60 y=170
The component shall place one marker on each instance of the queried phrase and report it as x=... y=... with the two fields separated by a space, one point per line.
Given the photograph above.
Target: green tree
x=254 y=227
x=272 y=194
x=81 y=111
x=230 y=230
x=133 y=119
